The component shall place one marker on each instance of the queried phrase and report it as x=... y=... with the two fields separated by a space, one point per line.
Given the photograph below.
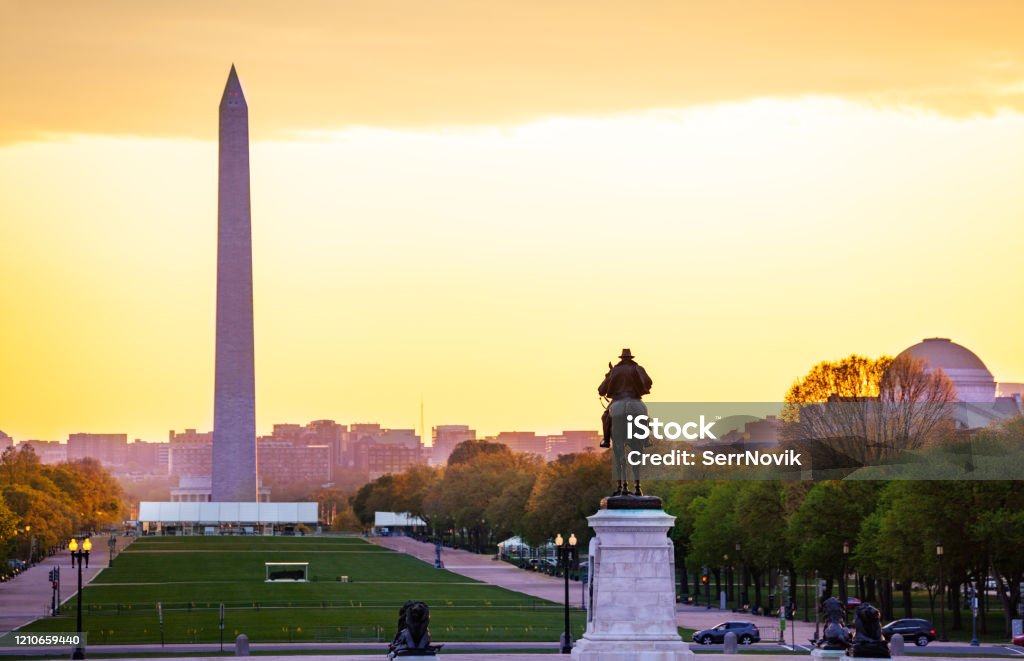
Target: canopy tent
x=396 y=520
x=242 y=513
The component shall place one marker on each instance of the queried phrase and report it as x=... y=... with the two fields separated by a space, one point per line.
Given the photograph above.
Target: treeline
x=754 y=531
x=487 y=493
x=891 y=530
x=41 y=506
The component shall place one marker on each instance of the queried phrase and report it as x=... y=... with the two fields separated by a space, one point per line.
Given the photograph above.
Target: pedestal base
x=828 y=654
x=631 y=650
x=631 y=613
x=870 y=650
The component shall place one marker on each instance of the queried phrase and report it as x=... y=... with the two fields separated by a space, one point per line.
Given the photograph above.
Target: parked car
x=912 y=629
x=1018 y=640
x=852 y=603
x=746 y=633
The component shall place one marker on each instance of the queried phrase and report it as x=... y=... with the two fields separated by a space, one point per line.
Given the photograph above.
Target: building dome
x=973 y=381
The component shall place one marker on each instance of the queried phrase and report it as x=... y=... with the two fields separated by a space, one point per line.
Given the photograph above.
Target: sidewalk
x=487 y=570
x=28 y=596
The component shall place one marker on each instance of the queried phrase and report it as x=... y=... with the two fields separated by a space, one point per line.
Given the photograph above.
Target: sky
x=478 y=204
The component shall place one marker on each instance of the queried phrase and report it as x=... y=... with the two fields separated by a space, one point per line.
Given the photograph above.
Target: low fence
x=131 y=608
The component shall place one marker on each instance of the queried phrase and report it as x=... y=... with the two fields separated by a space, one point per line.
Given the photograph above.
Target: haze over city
x=434 y=223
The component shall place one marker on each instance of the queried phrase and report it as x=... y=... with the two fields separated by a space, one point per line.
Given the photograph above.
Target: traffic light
x=704 y=577
x=785 y=583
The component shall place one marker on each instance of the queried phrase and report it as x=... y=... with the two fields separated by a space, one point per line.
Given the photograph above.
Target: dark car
x=920 y=631
x=746 y=633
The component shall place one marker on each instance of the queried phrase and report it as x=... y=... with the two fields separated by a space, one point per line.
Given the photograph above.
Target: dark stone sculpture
x=625 y=384
x=868 y=641
x=413 y=636
x=834 y=636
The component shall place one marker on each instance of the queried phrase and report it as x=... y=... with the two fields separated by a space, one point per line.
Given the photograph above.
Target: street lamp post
x=726 y=580
x=842 y=586
x=817 y=602
x=112 y=544
x=566 y=549
x=974 y=614
x=741 y=586
x=31 y=544
x=939 y=552
x=81 y=556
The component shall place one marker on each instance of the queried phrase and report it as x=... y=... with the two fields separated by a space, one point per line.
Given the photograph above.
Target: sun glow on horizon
x=470 y=264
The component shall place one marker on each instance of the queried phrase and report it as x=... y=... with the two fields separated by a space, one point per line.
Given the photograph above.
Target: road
x=28 y=596
x=486 y=569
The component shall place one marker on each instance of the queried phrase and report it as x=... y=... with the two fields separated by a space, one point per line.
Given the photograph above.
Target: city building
x=108 y=449
x=146 y=457
x=5 y=442
x=49 y=452
x=288 y=461
x=521 y=441
x=571 y=442
x=978 y=404
x=190 y=454
x=445 y=438
x=388 y=451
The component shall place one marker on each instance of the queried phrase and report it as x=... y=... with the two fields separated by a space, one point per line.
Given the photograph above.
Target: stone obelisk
x=234 y=403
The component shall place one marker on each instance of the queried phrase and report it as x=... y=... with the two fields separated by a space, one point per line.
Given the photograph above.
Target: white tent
x=240 y=513
x=396 y=520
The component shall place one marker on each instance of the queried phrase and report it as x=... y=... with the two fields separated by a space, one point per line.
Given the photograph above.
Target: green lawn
x=192 y=576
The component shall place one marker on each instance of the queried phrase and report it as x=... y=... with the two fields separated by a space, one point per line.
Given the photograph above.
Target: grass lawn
x=192 y=576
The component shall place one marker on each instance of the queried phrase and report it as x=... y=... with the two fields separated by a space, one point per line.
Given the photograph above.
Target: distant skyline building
x=109 y=449
x=234 y=470
x=191 y=454
x=445 y=438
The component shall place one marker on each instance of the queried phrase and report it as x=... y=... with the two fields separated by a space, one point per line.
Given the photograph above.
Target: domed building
x=975 y=386
x=973 y=381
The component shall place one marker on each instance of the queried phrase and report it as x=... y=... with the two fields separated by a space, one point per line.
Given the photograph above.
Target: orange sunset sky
x=438 y=188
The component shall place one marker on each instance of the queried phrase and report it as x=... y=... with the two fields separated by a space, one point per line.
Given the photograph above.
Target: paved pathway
x=28 y=596
x=488 y=570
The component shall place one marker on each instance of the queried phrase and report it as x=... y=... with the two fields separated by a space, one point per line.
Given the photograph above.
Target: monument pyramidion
x=234 y=477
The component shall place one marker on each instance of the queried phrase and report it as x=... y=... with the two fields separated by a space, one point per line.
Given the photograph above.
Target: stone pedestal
x=632 y=604
x=828 y=654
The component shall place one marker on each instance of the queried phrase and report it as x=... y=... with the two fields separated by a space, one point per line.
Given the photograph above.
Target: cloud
x=128 y=68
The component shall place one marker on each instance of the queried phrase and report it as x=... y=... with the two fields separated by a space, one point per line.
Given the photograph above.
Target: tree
x=567 y=491
x=677 y=503
x=465 y=451
x=470 y=496
x=854 y=377
x=830 y=515
x=414 y=486
x=377 y=496
x=858 y=412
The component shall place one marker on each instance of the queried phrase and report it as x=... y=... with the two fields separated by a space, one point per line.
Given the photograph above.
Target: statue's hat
x=626 y=354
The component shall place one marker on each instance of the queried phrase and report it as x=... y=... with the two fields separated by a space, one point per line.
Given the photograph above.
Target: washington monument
x=234 y=401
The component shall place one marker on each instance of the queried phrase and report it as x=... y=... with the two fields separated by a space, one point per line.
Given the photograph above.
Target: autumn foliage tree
x=857 y=411
x=50 y=503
